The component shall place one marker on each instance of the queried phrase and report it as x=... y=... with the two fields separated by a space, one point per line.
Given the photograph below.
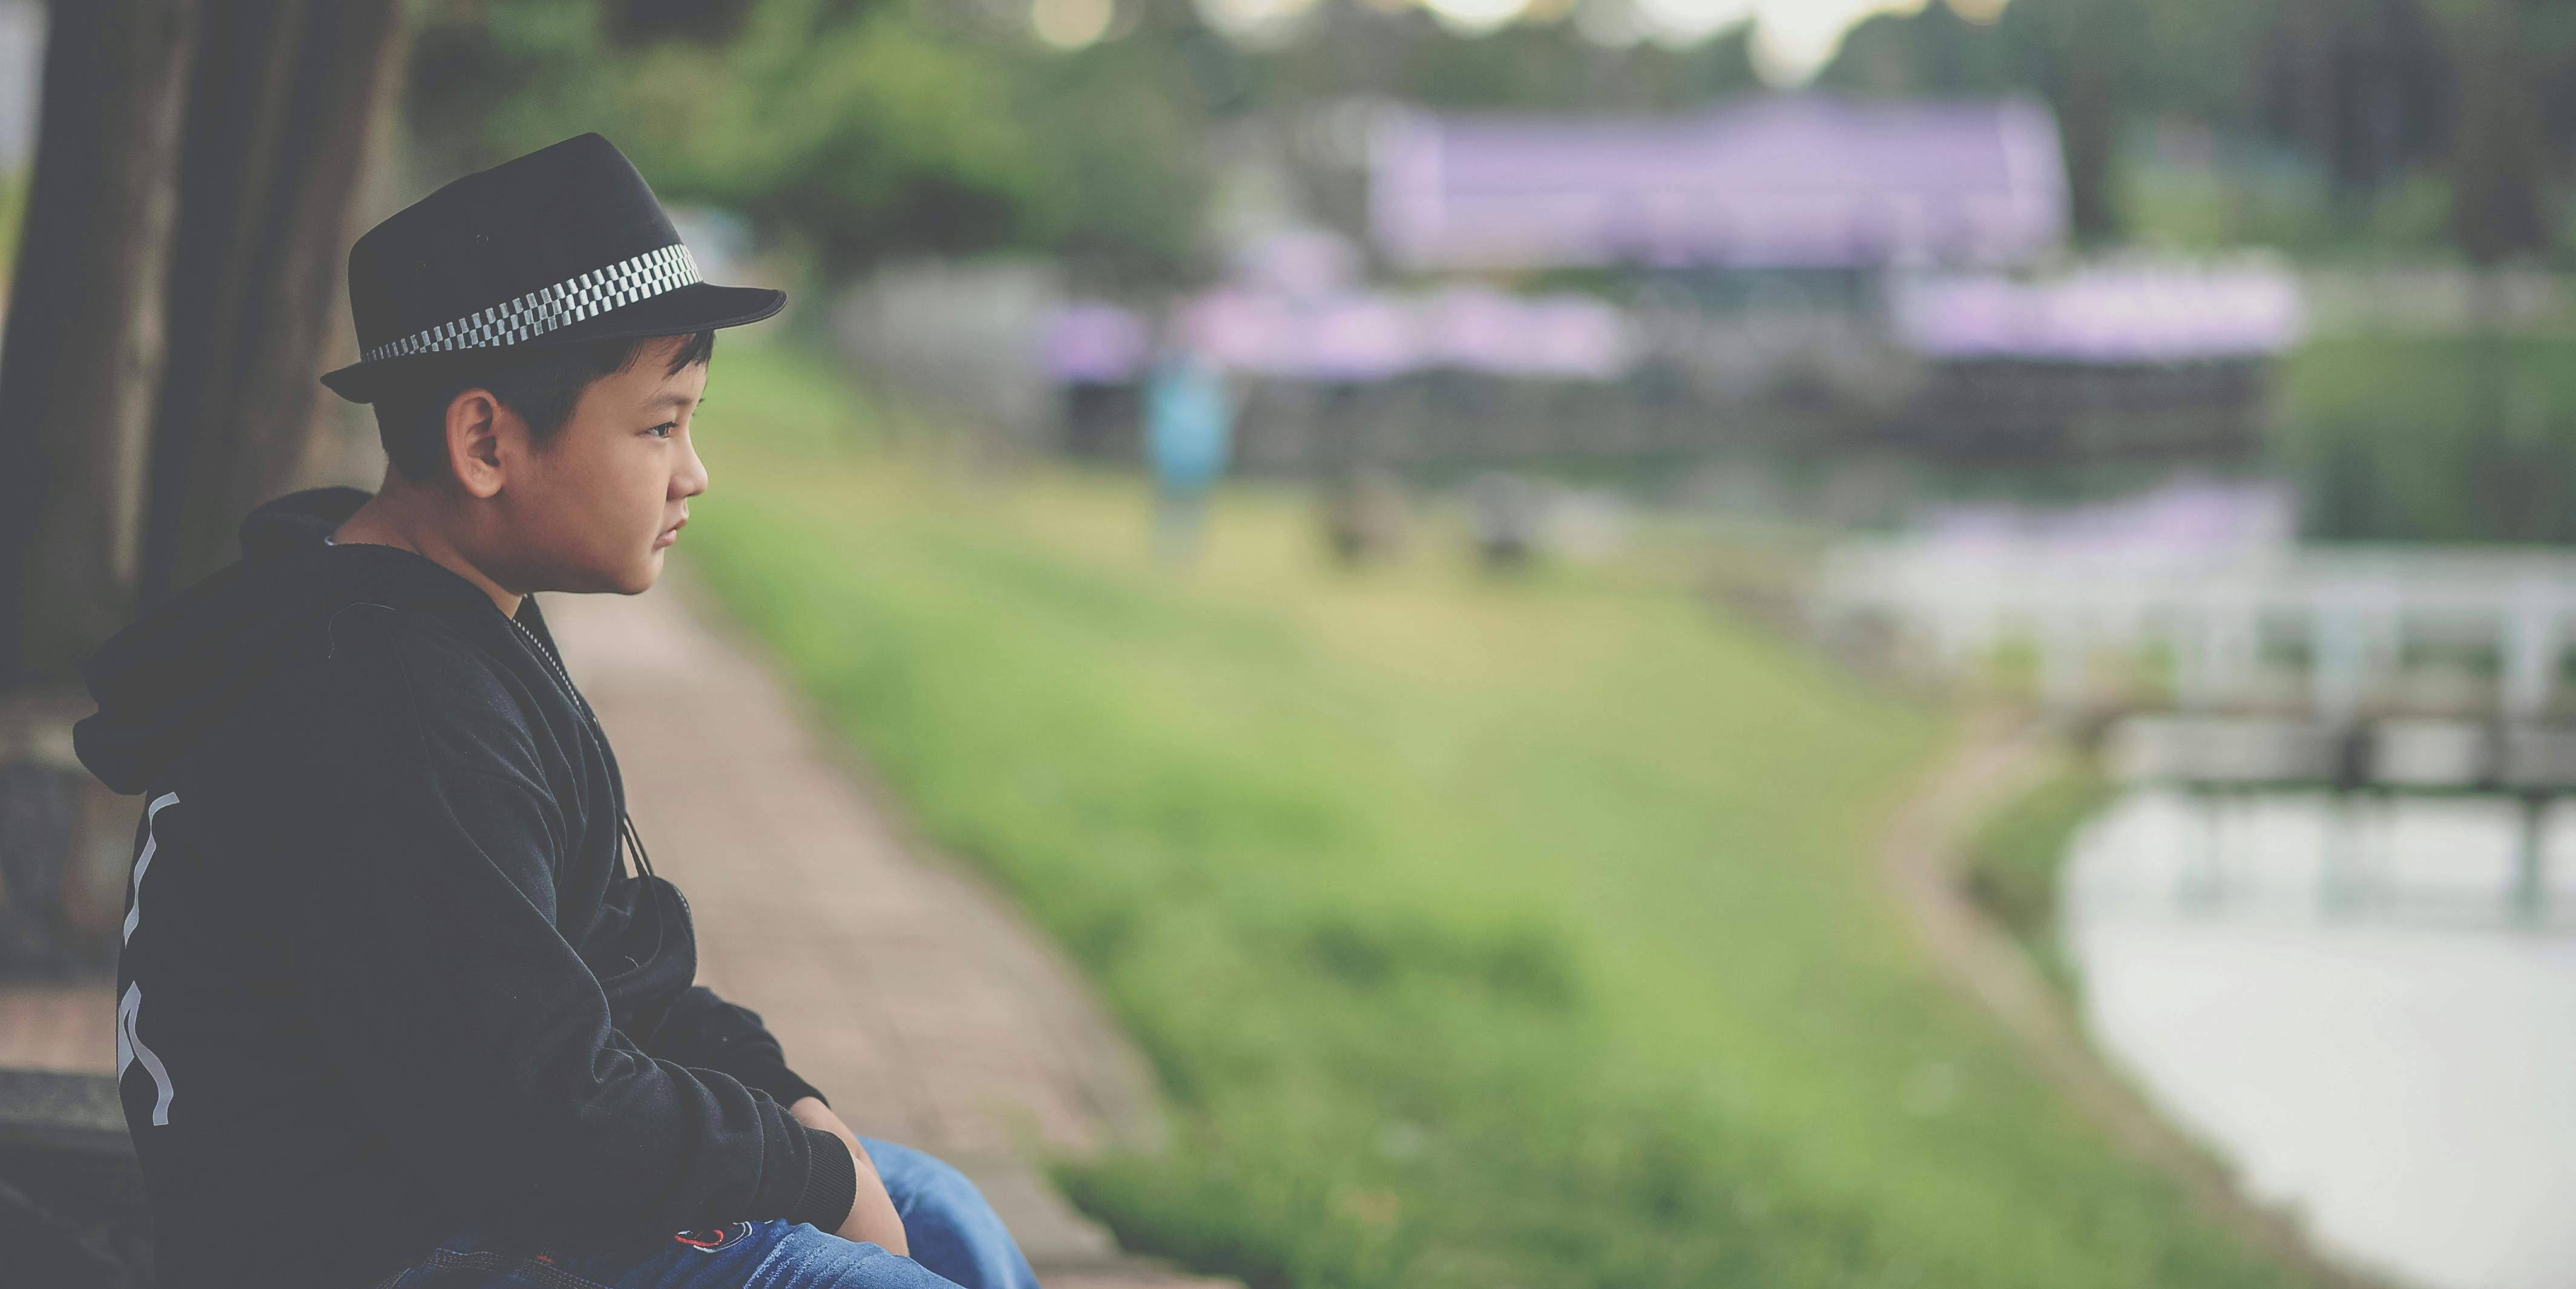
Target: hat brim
x=699 y=306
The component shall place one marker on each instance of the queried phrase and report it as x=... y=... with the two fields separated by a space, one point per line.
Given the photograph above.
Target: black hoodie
x=384 y=973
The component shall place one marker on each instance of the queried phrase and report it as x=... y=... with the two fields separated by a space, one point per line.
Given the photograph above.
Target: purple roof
x=1362 y=336
x=2183 y=517
x=2103 y=315
x=1088 y=342
x=1352 y=335
x=1762 y=181
x=2128 y=314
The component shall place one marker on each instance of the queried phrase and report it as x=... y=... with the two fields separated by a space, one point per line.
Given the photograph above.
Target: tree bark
x=280 y=118
x=173 y=298
x=84 y=347
x=2089 y=49
x=2498 y=163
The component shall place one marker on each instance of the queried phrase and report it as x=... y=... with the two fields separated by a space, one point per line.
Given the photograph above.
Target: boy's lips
x=672 y=533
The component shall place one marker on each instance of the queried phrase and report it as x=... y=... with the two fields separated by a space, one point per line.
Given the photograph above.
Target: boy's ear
x=475 y=421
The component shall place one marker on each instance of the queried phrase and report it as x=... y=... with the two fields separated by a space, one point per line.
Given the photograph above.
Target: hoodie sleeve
x=418 y=908
x=706 y=1032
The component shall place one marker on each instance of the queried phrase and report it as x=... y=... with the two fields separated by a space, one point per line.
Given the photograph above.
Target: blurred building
x=1769 y=182
x=1780 y=270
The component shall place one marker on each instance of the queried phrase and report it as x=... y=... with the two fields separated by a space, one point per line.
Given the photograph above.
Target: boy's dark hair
x=542 y=383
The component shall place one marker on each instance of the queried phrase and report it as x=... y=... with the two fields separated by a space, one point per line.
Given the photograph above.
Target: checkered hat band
x=538 y=312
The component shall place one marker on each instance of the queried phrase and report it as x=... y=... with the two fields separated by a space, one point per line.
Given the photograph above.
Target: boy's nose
x=692 y=478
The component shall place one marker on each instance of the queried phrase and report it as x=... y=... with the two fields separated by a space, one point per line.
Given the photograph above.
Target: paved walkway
x=58 y=1027
x=919 y=1002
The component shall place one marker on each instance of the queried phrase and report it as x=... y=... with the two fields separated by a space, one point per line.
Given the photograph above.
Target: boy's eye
x=664 y=429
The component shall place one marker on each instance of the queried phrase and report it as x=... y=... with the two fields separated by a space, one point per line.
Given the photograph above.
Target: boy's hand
x=872 y=1219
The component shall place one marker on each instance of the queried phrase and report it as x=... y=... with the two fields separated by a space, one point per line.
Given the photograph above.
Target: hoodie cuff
x=831 y=1182
x=781 y=1083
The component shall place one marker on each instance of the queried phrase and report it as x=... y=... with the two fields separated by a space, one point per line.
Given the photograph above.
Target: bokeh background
x=1639 y=642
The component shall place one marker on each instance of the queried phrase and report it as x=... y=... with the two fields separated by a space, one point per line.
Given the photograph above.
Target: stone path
x=58 y=1027
x=921 y=1003
x=914 y=997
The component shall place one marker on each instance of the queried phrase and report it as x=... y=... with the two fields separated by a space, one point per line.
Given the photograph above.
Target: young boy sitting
x=401 y=1000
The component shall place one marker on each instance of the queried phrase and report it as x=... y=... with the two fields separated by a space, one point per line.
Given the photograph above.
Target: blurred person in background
x=1188 y=433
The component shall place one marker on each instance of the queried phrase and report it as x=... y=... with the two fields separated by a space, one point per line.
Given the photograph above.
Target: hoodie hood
x=186 y=666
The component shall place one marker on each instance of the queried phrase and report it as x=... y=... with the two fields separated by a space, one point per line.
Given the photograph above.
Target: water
x=2354 y=1007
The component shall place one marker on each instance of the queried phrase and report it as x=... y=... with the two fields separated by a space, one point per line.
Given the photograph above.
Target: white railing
x=2330 y=631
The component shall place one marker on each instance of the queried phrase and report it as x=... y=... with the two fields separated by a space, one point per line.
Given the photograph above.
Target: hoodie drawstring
x=630 y=842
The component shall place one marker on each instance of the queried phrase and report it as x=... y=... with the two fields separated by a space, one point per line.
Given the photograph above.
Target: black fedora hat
x=564 y=244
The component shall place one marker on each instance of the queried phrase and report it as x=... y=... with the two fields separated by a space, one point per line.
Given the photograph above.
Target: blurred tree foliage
x=2365 y=110
x=2377 y=98
x=875 y=128
x=2465 y=438
x=2332 y=123
x=1361 y=49
x=872 y=129
x=865 y=128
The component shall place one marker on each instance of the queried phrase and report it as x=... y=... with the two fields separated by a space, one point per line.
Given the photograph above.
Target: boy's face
x=595 y=508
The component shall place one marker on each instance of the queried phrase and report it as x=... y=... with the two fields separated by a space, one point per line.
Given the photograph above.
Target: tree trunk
x=83 y=351
x=282 y=104
x=2498 y=163
x=174 y=293
x=2091 y=48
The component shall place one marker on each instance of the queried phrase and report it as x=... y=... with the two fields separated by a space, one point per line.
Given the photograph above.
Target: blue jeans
x=957 y=1240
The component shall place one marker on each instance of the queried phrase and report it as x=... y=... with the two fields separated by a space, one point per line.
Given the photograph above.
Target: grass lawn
x=2016 y=859
x=1483 y=932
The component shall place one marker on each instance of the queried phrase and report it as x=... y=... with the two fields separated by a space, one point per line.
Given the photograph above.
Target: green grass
x=13 y=220
x=2014 y=859
x=1482 y=932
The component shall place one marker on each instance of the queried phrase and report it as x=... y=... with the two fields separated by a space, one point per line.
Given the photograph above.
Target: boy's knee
x=953 y=1229
x=918 y=1181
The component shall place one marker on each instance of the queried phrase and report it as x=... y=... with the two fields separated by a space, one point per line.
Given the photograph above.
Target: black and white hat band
x=564 y=245
x=640 y=277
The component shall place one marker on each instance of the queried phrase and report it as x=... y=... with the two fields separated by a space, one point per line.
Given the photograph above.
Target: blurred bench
x=72 y=1209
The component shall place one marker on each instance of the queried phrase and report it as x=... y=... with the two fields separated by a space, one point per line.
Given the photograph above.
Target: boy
x=395 y=1008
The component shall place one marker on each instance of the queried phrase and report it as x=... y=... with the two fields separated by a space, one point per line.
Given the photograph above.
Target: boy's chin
x=638 y=580
x=634 y=579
